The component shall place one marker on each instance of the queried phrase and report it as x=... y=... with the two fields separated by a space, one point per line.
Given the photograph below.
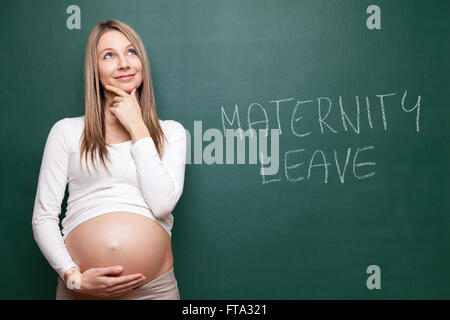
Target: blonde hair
x=93 y=137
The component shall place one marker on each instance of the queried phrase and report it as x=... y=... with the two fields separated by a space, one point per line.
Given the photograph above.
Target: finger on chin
x=116 y=90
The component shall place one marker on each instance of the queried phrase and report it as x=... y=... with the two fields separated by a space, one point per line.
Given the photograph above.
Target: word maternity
x=327 y=119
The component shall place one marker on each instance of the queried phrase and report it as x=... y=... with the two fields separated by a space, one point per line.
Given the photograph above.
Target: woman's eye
x=132 y=50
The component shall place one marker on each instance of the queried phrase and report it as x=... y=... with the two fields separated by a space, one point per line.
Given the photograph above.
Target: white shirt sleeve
x=50 y=193
x=161 y=180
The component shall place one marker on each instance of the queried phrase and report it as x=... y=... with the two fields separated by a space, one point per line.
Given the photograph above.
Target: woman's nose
x=123 y=62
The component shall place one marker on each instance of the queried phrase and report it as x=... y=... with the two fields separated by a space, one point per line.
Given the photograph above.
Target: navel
x=114 y=245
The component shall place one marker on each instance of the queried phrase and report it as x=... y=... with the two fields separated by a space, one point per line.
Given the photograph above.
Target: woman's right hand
x=99 y=282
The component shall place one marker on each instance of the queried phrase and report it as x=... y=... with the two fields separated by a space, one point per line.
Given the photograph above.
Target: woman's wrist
x=69 y=271
x=72 y=278
x=139 y=132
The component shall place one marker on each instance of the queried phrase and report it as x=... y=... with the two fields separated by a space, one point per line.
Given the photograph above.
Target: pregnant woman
x=125 y=173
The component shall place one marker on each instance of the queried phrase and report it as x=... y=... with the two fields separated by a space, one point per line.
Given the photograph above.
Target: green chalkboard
x=359 y=206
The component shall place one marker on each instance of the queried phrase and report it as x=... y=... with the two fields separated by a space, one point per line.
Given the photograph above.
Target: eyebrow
x=114 y=50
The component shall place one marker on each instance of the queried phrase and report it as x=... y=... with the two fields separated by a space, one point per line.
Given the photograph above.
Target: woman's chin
x=127 y=87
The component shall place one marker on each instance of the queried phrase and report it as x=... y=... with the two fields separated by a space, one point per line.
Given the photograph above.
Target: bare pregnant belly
x=137 y=243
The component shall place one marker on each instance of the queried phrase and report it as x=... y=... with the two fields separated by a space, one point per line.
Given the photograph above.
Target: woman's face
x=117 y=57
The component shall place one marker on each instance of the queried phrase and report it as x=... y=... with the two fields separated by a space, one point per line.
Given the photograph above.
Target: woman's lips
x=125 y=78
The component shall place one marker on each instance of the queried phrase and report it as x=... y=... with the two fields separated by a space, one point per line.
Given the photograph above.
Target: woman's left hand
x=126 y=108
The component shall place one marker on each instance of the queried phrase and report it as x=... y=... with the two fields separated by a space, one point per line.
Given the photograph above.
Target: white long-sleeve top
x=140 y=182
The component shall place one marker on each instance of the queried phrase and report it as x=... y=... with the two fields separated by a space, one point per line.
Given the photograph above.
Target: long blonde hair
x=93 y=137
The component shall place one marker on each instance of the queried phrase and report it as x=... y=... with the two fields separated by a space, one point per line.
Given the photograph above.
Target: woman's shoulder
x=69 y=128
x=70 y=122
x=77 y=121
x=76 y=125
